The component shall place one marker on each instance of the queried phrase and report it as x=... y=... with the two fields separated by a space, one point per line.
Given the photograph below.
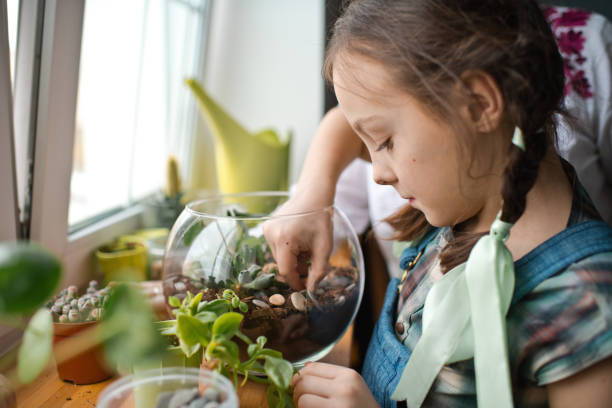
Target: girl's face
x=413 y=150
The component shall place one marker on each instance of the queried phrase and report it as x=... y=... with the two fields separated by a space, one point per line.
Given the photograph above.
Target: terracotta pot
x=86 y=368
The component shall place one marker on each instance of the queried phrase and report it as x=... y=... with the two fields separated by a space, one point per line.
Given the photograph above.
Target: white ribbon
x=464 y=317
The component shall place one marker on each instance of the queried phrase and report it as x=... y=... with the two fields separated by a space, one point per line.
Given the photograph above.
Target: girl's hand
x=321 y=385
x=295 y=241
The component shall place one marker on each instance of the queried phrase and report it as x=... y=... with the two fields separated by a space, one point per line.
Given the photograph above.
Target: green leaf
x=217 y=306
x=35 y=349
x=261 y=282
x=231 y=352
x=189 y=350
x=166 y=327
x=195 y=302
x=206 y=317
x=227 y=325
x=279 y=371
x=252 y=349
x=131 y=336
x=278 y=398
x=29 y=276
x=174 y=301
x=192 y=331
x=271 y=353
x=191 y=233
x=243 y=307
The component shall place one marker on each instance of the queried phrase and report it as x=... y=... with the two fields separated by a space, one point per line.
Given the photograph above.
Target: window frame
x=9 y=228
x=53 y=139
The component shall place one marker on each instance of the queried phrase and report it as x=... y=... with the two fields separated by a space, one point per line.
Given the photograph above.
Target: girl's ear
x=484 y=105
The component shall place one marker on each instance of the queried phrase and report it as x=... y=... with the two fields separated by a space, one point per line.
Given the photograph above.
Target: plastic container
x=142 y=389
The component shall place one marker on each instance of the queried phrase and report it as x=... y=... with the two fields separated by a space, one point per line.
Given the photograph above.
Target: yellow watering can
x=245 y=161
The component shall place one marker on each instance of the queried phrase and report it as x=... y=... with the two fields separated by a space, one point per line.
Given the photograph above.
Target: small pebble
x=197 y=403
x=93 y=284
x=183 y=397
x=211 y=394
x=261 y=295
x=298 y=301
x=56 y=309
x=180 y=286
x=340 y=281
x=351 y=287
x=63 y=319
x=73 y=316
x=277 y=300
x=72 y=289
x=66 y=309
x=261 y=304
x=91 y=290
x=74 y=303
x=163 y=399
x=340 y=300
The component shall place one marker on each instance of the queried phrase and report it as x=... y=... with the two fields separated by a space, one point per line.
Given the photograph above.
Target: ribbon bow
x=464 y=316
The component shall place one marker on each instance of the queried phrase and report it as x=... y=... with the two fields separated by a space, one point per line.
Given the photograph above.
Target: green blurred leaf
x=195 y=302
x=227 y=325
x=174 y=301
x=261 y=282
x=35 y=349
x=189 y=350
x=206 y=317
x=131 y=336
x=192 y=331
x=217 y=306
x=192 y=232
x=279 y=371
x=28 y=277
x=166 y=327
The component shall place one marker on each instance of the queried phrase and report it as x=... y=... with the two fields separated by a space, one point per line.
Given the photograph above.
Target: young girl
x=507 y=292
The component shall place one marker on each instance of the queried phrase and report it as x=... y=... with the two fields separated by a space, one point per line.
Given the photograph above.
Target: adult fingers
x=320 y=256
x=286 y=261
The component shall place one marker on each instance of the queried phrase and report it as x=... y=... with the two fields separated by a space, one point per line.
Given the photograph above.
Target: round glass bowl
x=150 y=388
x=217 y=243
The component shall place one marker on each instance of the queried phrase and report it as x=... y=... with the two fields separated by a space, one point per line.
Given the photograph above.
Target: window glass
x=133 y=108
x=13 y=18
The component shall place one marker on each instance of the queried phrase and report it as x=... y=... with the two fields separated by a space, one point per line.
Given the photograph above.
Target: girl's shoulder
x=564 y=325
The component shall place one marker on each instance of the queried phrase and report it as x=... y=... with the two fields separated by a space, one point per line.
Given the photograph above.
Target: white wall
x=264 y=65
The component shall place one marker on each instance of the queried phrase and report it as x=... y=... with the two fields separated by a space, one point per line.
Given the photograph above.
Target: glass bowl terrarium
x=218 y=244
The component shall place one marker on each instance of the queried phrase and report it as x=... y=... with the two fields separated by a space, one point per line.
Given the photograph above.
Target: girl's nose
x=383 y=175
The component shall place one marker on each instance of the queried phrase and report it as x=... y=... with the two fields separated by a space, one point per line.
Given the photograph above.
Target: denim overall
x=387 y=356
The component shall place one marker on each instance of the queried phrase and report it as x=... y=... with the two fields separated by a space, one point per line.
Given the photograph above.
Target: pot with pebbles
x=217 y=244
x=73 y=313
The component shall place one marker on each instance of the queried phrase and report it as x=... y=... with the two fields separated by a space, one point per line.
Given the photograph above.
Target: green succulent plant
x=214 y=327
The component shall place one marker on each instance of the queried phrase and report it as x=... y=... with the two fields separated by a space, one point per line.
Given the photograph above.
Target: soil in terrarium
x=294 y=323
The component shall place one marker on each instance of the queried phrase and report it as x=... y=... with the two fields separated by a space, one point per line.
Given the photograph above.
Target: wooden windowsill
x=49 y=391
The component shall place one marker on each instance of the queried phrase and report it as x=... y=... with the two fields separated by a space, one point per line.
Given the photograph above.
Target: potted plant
x=119 y=260
x=71 y=315
x=28 y=277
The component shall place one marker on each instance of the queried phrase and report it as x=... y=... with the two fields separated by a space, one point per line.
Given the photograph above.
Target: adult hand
x=299 y=240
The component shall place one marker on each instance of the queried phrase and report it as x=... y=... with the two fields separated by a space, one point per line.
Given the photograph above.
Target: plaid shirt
x=560 y=328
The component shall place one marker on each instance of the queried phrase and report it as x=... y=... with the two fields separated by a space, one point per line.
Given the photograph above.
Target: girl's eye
x=387 y=144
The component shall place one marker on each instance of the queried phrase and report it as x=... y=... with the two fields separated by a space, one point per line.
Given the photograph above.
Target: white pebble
x=299 y=302
x=260 y=303
x=277 y=300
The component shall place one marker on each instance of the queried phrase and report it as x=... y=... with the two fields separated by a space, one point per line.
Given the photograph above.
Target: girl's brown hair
x=426 y=45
